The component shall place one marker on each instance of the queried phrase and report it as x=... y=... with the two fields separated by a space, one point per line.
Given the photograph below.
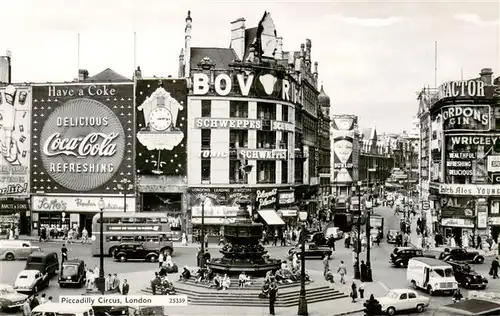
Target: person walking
x=275 y=238
x=479 y=243
x=342 y=271
x=125 y=287
x=326 y=265
x=494 y=268
x=26 y=307
x=354 y=292
x=273 y=293
x=64 y=254
x=161 y=259
x=34 y=301
x=184 y=239
x=361 y=290
x=283 y=238
x=115 y=284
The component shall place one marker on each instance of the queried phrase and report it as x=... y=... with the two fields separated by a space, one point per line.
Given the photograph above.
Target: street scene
x=241 y=158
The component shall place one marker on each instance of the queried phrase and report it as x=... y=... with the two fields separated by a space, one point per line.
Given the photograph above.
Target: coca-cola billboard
x=82 y=138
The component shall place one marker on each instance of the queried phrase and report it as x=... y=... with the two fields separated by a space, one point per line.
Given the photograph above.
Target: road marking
x=385 y=287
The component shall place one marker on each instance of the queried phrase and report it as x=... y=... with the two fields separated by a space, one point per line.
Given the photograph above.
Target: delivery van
x=432 y=275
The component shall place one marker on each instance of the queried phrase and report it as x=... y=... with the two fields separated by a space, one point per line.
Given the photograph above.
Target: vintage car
x=16 y=249
x=31 y=281
x=460 y=254
x=135 y=251
x=72 y=273
x=397 y=300
x=400 y=256
x=10 y=299
x=467 y=277
x=391 y=236
x=311 y=251
x=317 y=237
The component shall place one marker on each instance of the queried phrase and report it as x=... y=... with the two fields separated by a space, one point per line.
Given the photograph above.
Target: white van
x=431 y=275
x=53 y=309
x=16 y=249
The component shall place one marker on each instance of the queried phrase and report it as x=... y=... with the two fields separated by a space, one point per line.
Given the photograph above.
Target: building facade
x=459 y=156
x=252 y=125
x=324 y=145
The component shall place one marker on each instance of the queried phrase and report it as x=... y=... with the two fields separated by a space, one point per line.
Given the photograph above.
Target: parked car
x=401 y=256
x=398 y=300
x=73 y=273
x=317 y=237
x=45 y=262
x=311 y=251
x=62 y=309
x=10 y=299
x=467 y=277
x=31 y=281
x=391 y=236
x=461 y=254
x=16 y=249
x=135 y=251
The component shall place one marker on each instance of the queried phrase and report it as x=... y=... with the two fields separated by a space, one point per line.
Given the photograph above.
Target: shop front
x=286 y=207
x=457 y=227
x=217 y=206
x=266 y=206
x=14 y=212
x=60 y=213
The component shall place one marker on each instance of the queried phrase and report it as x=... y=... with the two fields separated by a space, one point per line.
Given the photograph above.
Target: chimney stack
x=83 y=74
x=486 y=76
x=238 y=37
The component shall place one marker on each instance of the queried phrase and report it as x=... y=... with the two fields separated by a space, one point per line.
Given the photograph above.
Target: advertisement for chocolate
x=83 y=137
x=161 y=116
x=15 y=139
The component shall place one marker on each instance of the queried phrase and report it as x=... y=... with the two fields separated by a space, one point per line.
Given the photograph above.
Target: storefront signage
x=13 y=205
x=457 y=222
x=495 y=178
x=266 y=198
x=218 y=196
x=264 y=85
x=461 y=89
x=132 y=228
x=288 y=213
x=459 y=168
x=282 y=126
x=494 y=221
x=79 y=204
x=470 y=189
x=215 y=211
x=226 y=123
x=482 y=220
x=461 y=155
x=466 y=118
x=82 y=137
x=286 y=198
x=339 y=165
x=15 y=120
x=212 y=154
x=483 y=140
x=493 y=164
x=263 y=154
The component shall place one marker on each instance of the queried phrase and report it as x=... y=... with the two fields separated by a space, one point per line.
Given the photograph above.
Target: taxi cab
x=31 y=281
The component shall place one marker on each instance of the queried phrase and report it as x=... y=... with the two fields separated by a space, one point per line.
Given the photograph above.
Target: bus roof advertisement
x=82 y=137
x=133 y=228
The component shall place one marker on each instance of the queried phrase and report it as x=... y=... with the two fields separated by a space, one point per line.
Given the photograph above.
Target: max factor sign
x=223 y=123
x=461 y=89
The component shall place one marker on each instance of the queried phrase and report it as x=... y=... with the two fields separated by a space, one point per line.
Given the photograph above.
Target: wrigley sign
x=470 y=189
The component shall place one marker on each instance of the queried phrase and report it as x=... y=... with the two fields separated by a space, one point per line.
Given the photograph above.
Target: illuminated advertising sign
x=493 y=164
x=470 y=189
x=161 y=118
x=345 y=150
x=82 y=137
x=466 y=118
x=225 y=123
x=263 y=154
x=282 y=126
x=342 y=160
x=461 y=89
x=80 y=204
x=15 y=139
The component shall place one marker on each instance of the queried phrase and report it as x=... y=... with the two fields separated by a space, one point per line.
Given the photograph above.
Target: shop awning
x=288 y=213
x=271 y=217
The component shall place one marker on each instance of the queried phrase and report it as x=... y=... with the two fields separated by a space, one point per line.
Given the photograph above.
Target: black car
x=391 y=236
x=318 y=238
x=311 y=251
x=461 y=255
x=467 y=277
x=401 y=256
x=73 y=273
x=135 y=251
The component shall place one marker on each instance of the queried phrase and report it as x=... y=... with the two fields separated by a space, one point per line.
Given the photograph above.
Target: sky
x=373 y=56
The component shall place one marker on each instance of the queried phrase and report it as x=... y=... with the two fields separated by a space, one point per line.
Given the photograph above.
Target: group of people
x=64 y=232
x=112 y=284
x=13 y=232
x=160 y=284
x=34 y=301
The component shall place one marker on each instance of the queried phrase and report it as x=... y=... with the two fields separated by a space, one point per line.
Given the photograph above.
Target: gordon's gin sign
x=84 y=138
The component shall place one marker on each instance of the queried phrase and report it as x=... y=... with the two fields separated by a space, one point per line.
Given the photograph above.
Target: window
x=236 y=175
x=284 y=113
x=403 y=296
x=284 y=140
x=266 y=139
x=205 y=169
x=266 y=171
x=266 y=111
x=205 y=138
x=206 y=108
x=412 y=295
x=238 y=139
x=284 y=171
x=238 y=109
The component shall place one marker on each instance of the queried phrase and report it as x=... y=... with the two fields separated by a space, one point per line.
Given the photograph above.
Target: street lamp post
x=302 y=297
x=357 y=274
x=123 y=186
x=100 y=281
x=201 y=254
x=368 y=273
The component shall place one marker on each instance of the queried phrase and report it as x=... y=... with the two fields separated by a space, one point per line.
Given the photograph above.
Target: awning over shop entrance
x=271 y=217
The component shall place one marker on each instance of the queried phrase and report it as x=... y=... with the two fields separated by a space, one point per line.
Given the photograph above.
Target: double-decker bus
x=150 y=229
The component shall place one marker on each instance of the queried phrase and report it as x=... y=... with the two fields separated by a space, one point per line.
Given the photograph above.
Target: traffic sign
x=426 y=205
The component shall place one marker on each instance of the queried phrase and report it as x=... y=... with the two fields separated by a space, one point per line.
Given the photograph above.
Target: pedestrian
x=155 y=282
x=283 y=238
x=273 y=293
x=361 y=290
x=184 y=239
x=64 y=254
x=342 y=271
x=161 y=258
x=326 y=265
x=34 y=301
x=362 y=271
x=107 y=282
x=43 y=299
x=494 y=268
x=354 y=292
x=85 y=235
x=275 y=238
x=331 y=243
x=50 y=300
x=16 y=232
x=206 y=241
x=115 y=284
x=26 y=308
x=125 y=287
x=479 y=244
